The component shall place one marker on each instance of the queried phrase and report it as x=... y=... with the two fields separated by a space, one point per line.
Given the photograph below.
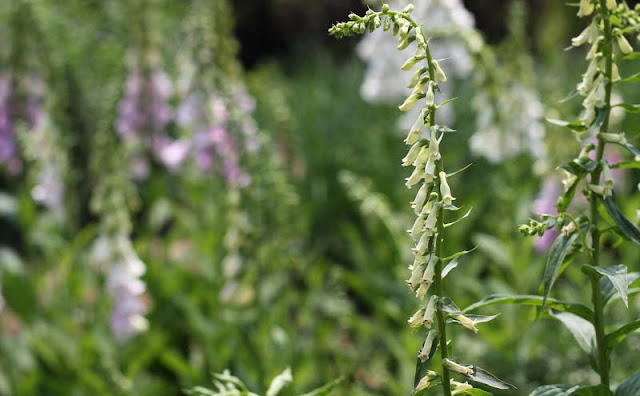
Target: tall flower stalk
x=584 y=232
x=433 y=201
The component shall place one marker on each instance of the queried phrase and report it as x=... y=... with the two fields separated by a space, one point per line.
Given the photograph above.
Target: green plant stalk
x=598 y=321
x=438 y=282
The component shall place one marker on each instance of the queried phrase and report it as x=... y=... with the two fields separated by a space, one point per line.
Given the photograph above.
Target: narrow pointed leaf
x=459 y=254
x=445 y=304
x=608 y=290
x=566 y=390
x=464 y=216
x=474 y=392
x=629 y=229
x=326 y=388
x=613 y=338
x=577 y=309
x=556 y=257
x=484 y=377
x=475 y=318
x=617 y=275
x=452 y=264
x=633 y=78
x=630 y=386
x=575 y=125
x=581 y=329
x=633 y=150
x=629 y=108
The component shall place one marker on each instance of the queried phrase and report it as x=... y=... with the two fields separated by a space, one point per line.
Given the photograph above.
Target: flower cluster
x=433 y=197
x=123 y=283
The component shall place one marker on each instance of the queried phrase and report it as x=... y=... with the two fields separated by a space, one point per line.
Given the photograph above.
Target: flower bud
x=423 y=156
x=422 y=290
x=417 y=77
x=426 y=347
x=418 y=225
x=430 y=169
x=416 y=176
x=430 y=270
x=617 y=138
x=431 y=222
x=611 y=4
x=425 y=381
x=459 y=387
x=385 y=7
x=423 y=244
x=615 y=73
x=420 y=198
x=440 y=77
x=377 y=22
x=410 y=63
x=416 y=319
x=430 y=311
x=569 y=229
x=420 y=38
x=581 y=38
x=386 y=25
x=430 y=96
x=466 y=322
x=409 y=102
x=586 y=8
x=445 y=191
x=408 y=9
x=412 y=154
x=624 y=45
x=457 y=368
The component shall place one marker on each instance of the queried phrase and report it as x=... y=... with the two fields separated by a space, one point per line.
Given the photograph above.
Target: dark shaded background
x=278 y=28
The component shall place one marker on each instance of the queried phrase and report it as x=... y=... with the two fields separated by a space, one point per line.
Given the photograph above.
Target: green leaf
x=326 y=388
x=632 y=149
x=446 y=225
x=474 y=392
x=625 y=165
x=629 y=229
x=556 y=257
x=581 y=329
x=608 y=290
x=575 y=125
x=446 y=102
x=566 y=390
x=630 y=386
x=615 y=337
x=484 y=377
x=459 y=254
x=452 y=264
x=617 y=275
x=577 y=309
x=633 y=78
x=580 y=168
x=445 y=304
x=629 y=108
x=632 y=56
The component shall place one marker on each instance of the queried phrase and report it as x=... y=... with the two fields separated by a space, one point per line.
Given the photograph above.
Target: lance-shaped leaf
x=629 y=108
x=580 y=168
x=484 y=377
x=629 y=229
x=556 y=257
x=566 y=390
x=632 y=148
x=581 y=329
x=608 y=290
x=630 y=386
x=452 y=264
x=617 y=275
x=577 y=126
x=474 y=392
x=464 y=216
x=445 y=304
x=577 y=309
x=326 y=388
x=613 y=338
x=633 y=78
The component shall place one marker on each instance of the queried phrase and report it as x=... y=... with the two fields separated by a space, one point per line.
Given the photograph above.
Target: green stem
x=438 y=282
x=439 y=238
x=598 y=322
